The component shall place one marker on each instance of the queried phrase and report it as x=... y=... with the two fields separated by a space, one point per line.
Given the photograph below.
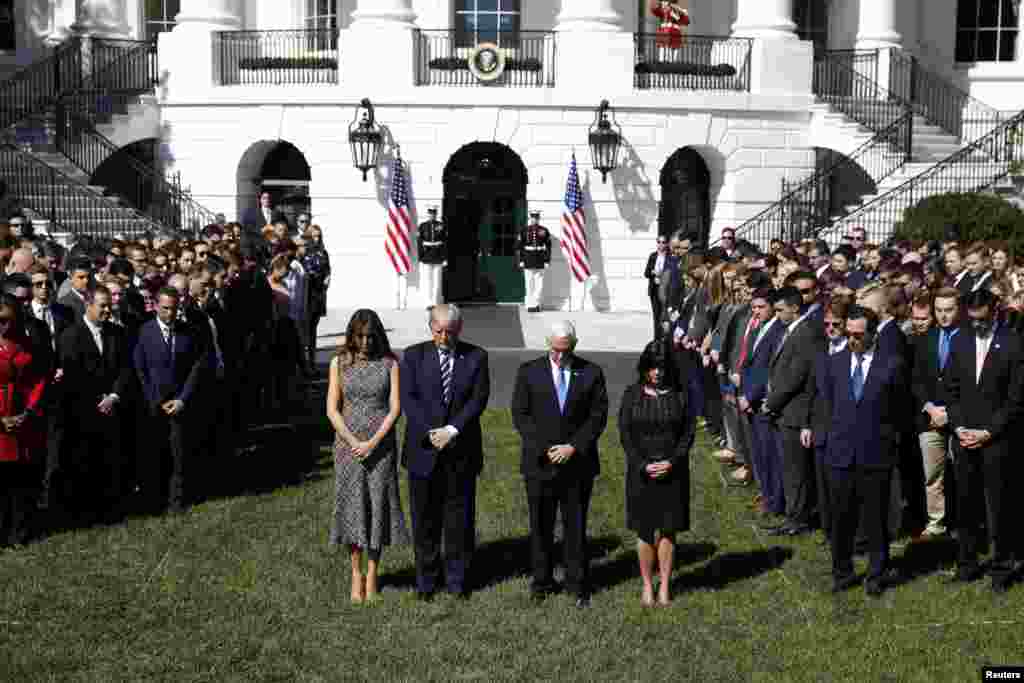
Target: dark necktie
x=446 y=376
x=857 y=380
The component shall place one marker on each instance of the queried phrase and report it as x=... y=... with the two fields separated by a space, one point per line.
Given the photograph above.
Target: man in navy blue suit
x=560 y=409
x=755 y=368
x=445 y=386
x=863 y=394
x=170 y=361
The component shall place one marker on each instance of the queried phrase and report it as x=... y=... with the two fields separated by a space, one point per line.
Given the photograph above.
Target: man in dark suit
x=753 y=388
x=656 y=263
x=789 y=402
x=984 y=386
x=559 y=422
x=79 y=274
x=255 y=218
x=864 y=390
x=931 y=360
x=97 y=375
x=169 y=361
x=445 y=386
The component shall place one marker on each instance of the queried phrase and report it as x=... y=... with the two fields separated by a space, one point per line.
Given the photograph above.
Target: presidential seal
x=487 y=62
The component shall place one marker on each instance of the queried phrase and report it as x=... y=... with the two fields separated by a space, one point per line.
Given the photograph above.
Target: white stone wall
x=747 y=156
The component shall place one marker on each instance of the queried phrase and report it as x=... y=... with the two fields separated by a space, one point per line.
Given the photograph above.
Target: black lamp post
x=604 y=141
x=365 y=138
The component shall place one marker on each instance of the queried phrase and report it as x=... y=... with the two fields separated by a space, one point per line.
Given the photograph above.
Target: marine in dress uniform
x=534 y=248
x=673 y=19
x=433 y=254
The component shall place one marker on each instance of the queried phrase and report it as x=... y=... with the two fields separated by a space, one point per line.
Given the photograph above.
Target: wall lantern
x=365 y=138
x=604 y=141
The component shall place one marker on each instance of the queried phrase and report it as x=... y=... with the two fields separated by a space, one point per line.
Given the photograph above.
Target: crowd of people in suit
x=129 y=362
x=870 y=391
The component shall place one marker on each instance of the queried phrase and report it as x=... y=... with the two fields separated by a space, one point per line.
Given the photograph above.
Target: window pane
x=508 y=22
x=154 y=10
x=487 y=24
x=967 y=13
x=986 y=46
x=463 y=5
x=1008 y=18
x=988 y=14
x=487 y=5
x=965 y=46
x=1007 y=46
x=510 y=6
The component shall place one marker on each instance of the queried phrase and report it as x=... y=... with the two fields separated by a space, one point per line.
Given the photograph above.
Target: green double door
x=483 y=220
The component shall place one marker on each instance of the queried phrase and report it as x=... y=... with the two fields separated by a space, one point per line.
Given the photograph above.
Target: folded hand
x=657 y=470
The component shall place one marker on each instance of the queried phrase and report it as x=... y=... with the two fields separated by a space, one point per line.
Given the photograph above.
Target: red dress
x=19 y=390
x=670 y=30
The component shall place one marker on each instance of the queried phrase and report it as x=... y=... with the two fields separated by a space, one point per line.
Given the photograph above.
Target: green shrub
x=965 y=217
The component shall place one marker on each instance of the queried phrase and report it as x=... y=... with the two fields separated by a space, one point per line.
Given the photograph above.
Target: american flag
x=574 y=227
x=399 y=227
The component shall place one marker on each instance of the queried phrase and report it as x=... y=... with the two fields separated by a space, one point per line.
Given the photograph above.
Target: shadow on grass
x=607 y=575
x=922 y=559
x=732 y=567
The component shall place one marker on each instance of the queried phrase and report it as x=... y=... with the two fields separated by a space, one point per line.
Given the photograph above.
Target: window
x=322 y=17
x=160 y=16
x=811 y=19
x=8 y=29
x=986 y=30
x=486 y=21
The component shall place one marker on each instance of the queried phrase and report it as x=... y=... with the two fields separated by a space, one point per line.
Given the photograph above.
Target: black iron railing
x=697 y=63
x=36 y=87
x=807 y=205
x=284 y=57
x=848 y=81
x=124 y=67
x=975 y=167
x=938 y=100
x=147 y=188
x=68 y=205
x=442 y=59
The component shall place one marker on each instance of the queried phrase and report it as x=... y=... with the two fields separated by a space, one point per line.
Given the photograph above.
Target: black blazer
x=652 y=286
x=864 y=433
x=792 y=375
x=927 y=378
x=541 y=424
x=88 y=375
x=997 y=402
x=420 y=383
x=75 y=303
x=253 y=217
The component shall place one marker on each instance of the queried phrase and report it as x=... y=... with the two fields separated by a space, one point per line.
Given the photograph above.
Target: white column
x=378 y=50
x=764 y=19
x=594 y=54
x=187 y=53
x=780 y=63
x=63 y=19
x=101 y=18
x=877 y=27
x=282 y=14
x=383 y=12
x=588 y=15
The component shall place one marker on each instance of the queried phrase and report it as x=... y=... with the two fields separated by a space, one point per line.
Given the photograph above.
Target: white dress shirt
x=981 y=345
x=866 y=357
x=659 y=264
x=836 y=345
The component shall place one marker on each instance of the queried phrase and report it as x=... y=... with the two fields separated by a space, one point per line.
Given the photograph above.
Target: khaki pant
x=934 y=450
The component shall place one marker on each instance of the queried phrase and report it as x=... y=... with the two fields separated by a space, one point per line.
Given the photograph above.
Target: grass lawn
x=244 y=588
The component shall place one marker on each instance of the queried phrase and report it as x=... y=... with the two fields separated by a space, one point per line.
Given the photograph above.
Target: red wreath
x=673 y=19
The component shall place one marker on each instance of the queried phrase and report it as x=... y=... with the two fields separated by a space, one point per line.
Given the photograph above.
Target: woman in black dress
x=656 y=422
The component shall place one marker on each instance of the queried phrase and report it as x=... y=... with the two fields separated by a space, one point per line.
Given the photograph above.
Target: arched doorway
x=122 y=174
x=685 y=195
x=278 y=167
x=484 y=206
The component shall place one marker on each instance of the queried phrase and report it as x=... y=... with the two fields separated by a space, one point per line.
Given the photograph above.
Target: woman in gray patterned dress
x=363 y=406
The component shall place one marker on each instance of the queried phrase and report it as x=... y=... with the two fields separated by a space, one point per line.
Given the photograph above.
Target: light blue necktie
x=857 y=380
x=945 y=337
x=563 y=389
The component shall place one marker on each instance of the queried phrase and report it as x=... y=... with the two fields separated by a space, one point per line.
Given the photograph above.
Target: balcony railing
x=698 y=63
x=441 y=59
x=288 y=57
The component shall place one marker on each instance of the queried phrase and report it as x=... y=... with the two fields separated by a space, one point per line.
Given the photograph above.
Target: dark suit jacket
x=927 y=378
x=856 y=279
x=88 y=375
x=541 y=424
x=792 y=375
x=420 y=381
x=994 y=404
x=652 y=260
x=756 y=370
x=253 y=217
x=162 y=376
x=864 y=433
x=63 y=318
x=892 y=341
x=40 y=346
x=74 y=302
